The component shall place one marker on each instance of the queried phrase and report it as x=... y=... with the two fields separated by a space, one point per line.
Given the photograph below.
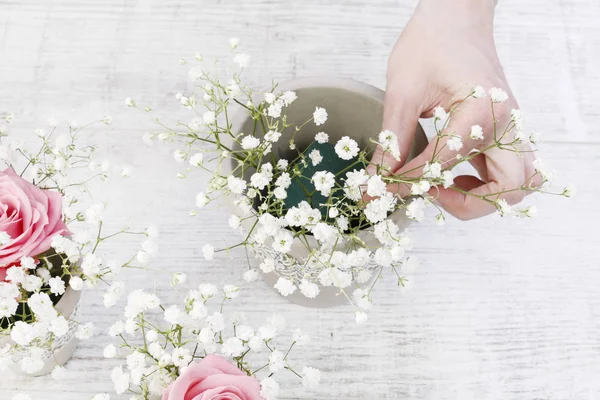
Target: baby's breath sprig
x=344 y=231
x=160 y=343
x=51 y=178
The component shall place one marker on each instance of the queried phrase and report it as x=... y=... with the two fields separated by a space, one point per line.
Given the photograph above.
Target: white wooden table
x=501 y=309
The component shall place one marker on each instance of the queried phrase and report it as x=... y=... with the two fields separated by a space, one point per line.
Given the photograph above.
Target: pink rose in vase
x=30 y=216
x=213 y=378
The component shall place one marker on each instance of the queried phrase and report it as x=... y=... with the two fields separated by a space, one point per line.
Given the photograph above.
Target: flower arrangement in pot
x=50 y=243
x=196 y=349
x=296 y=163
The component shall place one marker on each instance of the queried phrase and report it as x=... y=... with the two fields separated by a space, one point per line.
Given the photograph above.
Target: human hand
x=446 y=49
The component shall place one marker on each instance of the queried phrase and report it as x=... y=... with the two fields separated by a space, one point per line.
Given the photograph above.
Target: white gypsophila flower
x=333 y=212
x=269 y=388
x=320 y=116
x=288 y=97
x=76 y=283
x=209 y=118
x=455 y=143
x=201 y=200
x=360 y=317
x=94 y=214
x=216 y=322
x=250 y=142
x=315 y=157
x=285 y=287
x=196 y=160
x=416 y=209
x=27 y=262
x=440 y=219
x=57 y=285
x=498 y=95
x=208 y=251
x=116 y=329
x=504 y=209
x=4 y=238
x=420 y=187
x=447 y=179
x=276 y=361
x=32 y=283
x=274 y=110
x=272 y=136
x=241 y=59
x=151 y=336
x=233 y=347
x=231 y=291
x=85 y=331
x=346 y=148
x=324 y=182
x=476 y=132
x=41 y=305
x=126 y=171
x=234 y=42
x=432 y=170
x=383 y=257
x=324 y=233
x=354 y=181
x=569 y=191
x=110 y=351
x=479 y=92
x=362 y=298
x=389 y=141
x=16 y=274
x=311 y=377
x=441 y=115
x=542 y=168
x=376 y=187
x=270 y=98
x=234 y=222
x=8 y=307
x=268 y=265
x=236 y=185
x=181 y=357
x=173 y=315
x=244 y=332
x=138 y=302
x=178 y=279
x=208 y=290
x=322 y=137
x=113 y=294
x=59 y=326
x=280 y=193
x=284 y=180
x=377 y=210
x=251 y=275
x=120 y=379
x=309 y=289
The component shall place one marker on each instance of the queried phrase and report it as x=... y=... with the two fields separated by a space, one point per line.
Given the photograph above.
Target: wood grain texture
x=500 y=309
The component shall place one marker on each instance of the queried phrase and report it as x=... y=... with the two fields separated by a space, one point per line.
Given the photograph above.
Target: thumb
x=400 y=115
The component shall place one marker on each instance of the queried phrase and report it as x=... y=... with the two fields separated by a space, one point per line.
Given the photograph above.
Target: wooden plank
x=499 y=308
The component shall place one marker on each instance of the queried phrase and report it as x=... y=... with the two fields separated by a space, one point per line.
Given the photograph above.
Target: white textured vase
x=63 y=347
x=354 y=109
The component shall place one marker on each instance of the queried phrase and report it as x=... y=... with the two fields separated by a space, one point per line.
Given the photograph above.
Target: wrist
x=482 y=7
x=459 y=12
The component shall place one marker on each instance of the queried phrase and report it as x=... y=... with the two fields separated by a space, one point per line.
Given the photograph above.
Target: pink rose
x=213 y=378
x=30 y=216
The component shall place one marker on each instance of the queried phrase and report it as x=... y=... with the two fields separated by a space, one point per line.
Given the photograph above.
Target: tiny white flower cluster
x=31 y=324
x=345 y=228
x=191 y=332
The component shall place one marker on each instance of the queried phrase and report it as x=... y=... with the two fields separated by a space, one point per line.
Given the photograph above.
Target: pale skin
x=445 y=50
